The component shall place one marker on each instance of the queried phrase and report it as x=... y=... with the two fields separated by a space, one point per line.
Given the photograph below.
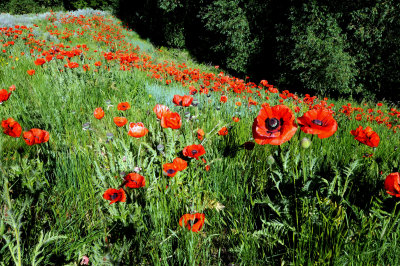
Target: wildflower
x=4 y=95
x=319 y=122
x=193 y=222
x=185 y=100
x=40 y=61
x=134 y=180
x=180 y=164
x=85 y=260
x=115 y=195
x=223 y=131
x=35 y=136
x=160 y=110
x=98 y=113
x=120 y=121
x=12 y=88
x=223 y=99
x=137 y=130
x=274 y=125
x=171 y=120
x=169 y=169
x=366 y=136
x=11 y=128
x=123 y=106
x=200 y=134
x=31 y=72
x=235 y=119
x=392 y=184
x=194 y=151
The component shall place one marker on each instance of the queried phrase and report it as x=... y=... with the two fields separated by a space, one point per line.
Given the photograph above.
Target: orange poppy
x=160 y=110
x=193 y=222
x=115 y=195
x=36 y=136
x=185 y=100
x=137 y=130
x=223 y=131
x=11 y=128
x=200 y=134
x=98 y=113
x=171 y=120
x=169 y=169
x=236 y=119
x=123 y=106
x=392 y=184
x=194 y=151
x=4 y=95
x=180 y=164
x=120 y=121
x=319 y=122
x=366 y=136
x=274 y=125
x=31 y=72
x=40 y=61
x=134 y=180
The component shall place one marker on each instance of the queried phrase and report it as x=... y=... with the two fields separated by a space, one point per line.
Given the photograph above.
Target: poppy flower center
x=170 y=171
x=194 y=152
x=273 y=123
x=193 y=222
x=114 y=196
x=317 y=122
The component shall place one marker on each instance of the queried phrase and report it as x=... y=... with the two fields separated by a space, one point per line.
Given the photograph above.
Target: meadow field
x=117 y=152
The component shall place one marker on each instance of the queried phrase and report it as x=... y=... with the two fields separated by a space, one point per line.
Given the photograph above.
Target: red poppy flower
x=169 y=169
x=36 y=136
x=98 y=63
x=171 y=120
x=392 y=184
x=366 y=136
x=40 y=61
x=31 y=72
x=274 y=125
x=223 y=131
x=137 y=130
x=134 y=180
x=223 y=99
x=12 y=88
x=120 y=121
x=319 y=122
x=11 y=128
x=200 y=134
x=4 y=95
x=193 y=222
x=194 y=151
x=115 y=195
x=236 y=119
x=185 y=100
x=123 y=106
x=160 y=110
x=98 y=113
x=180 y=164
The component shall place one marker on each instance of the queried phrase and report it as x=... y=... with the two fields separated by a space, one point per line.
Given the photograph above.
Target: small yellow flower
x=16 y=59
x=150 y=95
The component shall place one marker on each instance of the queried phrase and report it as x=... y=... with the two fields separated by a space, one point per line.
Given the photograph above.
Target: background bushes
x=346 y=48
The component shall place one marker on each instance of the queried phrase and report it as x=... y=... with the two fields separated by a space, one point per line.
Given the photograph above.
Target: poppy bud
x=270 y=159
x=305 y=143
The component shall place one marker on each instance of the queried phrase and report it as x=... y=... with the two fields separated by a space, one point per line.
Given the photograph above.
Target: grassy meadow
x=303 y=201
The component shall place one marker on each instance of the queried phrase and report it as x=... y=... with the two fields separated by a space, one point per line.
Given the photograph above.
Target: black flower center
x=114 y=196
x=170 y=171
x=193 y=222
x=273 y=123
x=194 y=152
x=317 y=122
